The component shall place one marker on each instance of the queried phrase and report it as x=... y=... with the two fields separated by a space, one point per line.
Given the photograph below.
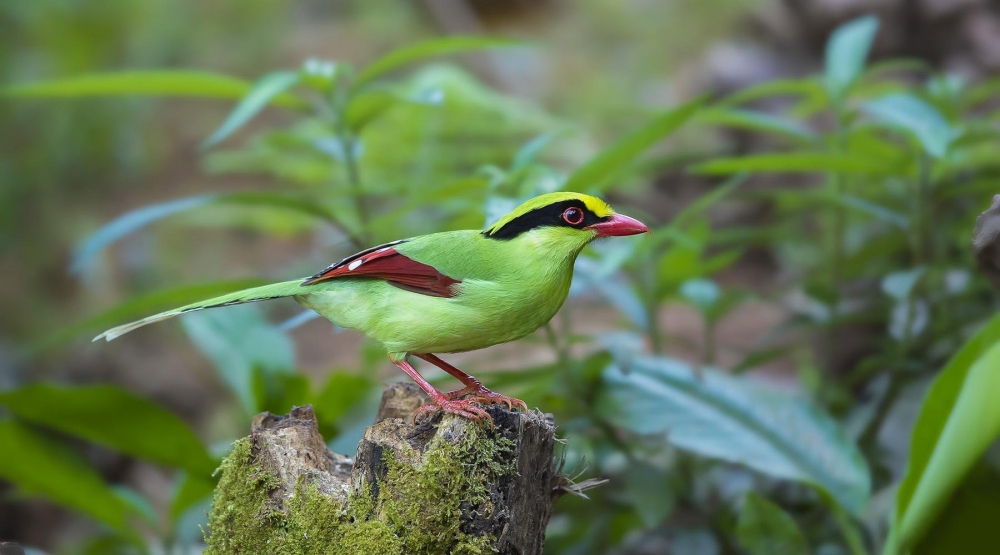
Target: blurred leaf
x=238 y=340
x=113 y=417
x=968 y=523
x=588 y=274
x=649 y=491
x=622 y=152
x=846 y=52
x=806 y=161
x=341 y=393
x=166 y=82
x=41 y=466
x=141 y=217
x=736 y=420
x=764 y=528
x=915 y=116
x=129 y=222
x=697 y=207
x=807 y=88
x=139 y=504
x=266 y=89
x=369 y=104
x=700 y=292
x=899 y=285
x=189 y=492
x=958 y=421
x=528 y=153
x=752 y=120
x=430 y=48
x=278 y=393
x=986 y=91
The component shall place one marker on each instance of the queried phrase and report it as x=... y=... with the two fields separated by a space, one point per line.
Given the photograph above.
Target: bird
x=449 y=292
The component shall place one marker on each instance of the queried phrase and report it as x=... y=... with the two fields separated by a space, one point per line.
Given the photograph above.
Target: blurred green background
x=801 y=358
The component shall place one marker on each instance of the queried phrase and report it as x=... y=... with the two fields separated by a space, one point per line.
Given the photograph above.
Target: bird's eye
x=573 y=216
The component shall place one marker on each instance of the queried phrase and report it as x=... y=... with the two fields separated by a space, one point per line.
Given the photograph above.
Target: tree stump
x=449 y=485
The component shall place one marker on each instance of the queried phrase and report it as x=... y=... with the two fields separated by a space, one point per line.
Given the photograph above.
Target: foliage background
x=748 y=377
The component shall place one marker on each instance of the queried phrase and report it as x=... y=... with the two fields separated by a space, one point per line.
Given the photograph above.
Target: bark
x=446 y=485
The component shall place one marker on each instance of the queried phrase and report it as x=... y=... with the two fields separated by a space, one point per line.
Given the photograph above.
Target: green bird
x=449 y=292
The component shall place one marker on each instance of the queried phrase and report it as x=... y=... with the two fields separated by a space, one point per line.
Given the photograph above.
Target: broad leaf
x=797 y=162
x=164 y=82
x=648 y=489
x=428 y=49
x=341 y=393
x=752 y=120
x=371 y=103
x=809 y=89
x=969 y=520
x=958 y=421
x=920 y=119
x=141 y=217
x=190 y=490
x=113 y=417
x=764 y=528
x=846 y=52
x=38 y=465
x=238 y=340
x=625 y=150
x=262 y=93
x=737 y=420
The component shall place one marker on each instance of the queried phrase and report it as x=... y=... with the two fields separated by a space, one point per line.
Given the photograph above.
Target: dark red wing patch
x=384 y=262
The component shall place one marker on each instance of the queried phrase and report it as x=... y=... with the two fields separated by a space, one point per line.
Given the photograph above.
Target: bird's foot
x=487 y=397
x=462 y=407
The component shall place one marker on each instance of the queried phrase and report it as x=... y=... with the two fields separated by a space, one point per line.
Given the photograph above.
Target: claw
x=486 y=397
x=461 y=407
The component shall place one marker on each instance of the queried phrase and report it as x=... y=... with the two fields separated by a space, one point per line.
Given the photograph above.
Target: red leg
x=472 y=387
x=459 y=407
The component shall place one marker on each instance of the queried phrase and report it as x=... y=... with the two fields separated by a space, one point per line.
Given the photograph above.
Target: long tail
x=254 y=294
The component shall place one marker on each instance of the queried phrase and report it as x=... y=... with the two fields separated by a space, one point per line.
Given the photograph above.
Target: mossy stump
x=446 y=486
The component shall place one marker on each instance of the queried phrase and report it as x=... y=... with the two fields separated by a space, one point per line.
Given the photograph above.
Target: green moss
x=417 y=510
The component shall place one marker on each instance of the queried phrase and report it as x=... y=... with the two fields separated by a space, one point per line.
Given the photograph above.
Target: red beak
x=619 y=225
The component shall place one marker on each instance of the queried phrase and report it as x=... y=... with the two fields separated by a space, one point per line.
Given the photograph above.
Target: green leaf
x=341 y=393
x=263 y=92
x=239 y=340
x=920 y=119
x=807 y=88
x=369 y=104
x=278 y=392
x=190 y=491
x=700 y=205
x=164 y=82
x=969 y=521
x=797 y=162
x=900 y=284
x=702 y=293
x=752 y=120
x=141 y=217
x=846 y=52
x=427 y=49
x=41 y=466
x=736 y=420
x=764 y=528
x=958 y=421
x=649 y=491
x=528 y=153
x=619 y=155
x=113 y=417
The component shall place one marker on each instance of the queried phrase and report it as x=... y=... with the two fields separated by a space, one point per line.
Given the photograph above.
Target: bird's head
x=572 y=219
